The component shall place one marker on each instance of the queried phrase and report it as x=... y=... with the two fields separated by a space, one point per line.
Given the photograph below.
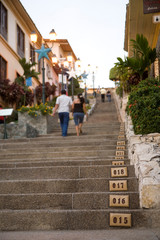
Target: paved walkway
x=123 y=234
x=111 y=234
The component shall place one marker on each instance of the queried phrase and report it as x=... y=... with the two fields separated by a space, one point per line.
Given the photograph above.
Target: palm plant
x=21 y=80
x=28 y=71
x=134 y=69
x=143 y=55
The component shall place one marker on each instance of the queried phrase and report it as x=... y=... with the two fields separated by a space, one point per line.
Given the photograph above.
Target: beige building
x=62 y=51
x=15 y=40
x=15 y=43
x=141 y=19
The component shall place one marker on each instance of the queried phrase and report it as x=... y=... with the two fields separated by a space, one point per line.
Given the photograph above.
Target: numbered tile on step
x=119 y=158
x=120 y=148
x=117 y=185
x=121 y=133
x=120 y=219
x=121 y=137
x=119 y=200
x=118 y=163
x=119 y=143
x=119 y=172
x=119 y=153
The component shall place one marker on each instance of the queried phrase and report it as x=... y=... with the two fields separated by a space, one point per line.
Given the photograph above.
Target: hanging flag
x=29 y=82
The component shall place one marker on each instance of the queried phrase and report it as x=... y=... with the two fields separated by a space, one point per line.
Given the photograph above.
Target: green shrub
x=119 y=91
x=36 y=110
x=144 y=107
x=52 y=103
x=88 y=106
x=91 y=97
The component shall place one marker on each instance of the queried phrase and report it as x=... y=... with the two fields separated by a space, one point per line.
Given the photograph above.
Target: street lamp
x=93 y=82
x=52 y=36
x=78 y=62
x=70 y=60
x=93 y=77
x=72 y=72
x=43 y=53
x=84 y=76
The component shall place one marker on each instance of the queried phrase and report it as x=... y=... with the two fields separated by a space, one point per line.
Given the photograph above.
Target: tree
x=49 y=90
x=28 y=97
x=123 y=74
x=76 y=87
x=28 y=72
x=113 y=74
x=11 y=93
x=134 y=69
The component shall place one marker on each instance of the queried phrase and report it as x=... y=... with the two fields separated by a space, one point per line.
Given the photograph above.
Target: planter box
x=30 y=127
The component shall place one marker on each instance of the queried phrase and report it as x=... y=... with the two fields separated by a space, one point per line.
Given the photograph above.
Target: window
x=3 y=21
x=17 y=75
x=20 y=42
x=32 y=54
x=3 y=69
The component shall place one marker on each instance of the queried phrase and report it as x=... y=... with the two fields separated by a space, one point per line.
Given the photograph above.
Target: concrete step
x=94 y=131
x=114 y=125
x=62 y=160
x=43 y=144
x=65 y=172
x=25 y=220
x=52 y=137
x=71 y=137
x=53 y=201
x=53 y=154
x=67 y=185
x=64 y=148
x=59 y=162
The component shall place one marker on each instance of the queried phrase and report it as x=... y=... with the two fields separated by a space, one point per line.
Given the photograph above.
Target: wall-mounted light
x=69 y=58
x=54 y=59
x=33 y=37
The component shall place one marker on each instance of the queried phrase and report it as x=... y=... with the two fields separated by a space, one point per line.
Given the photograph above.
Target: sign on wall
x=151 y=6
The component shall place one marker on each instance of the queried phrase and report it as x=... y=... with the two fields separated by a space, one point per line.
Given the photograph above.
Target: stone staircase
x=86 y=182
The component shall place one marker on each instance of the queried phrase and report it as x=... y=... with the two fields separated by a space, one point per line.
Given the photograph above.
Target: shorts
x=78 y=118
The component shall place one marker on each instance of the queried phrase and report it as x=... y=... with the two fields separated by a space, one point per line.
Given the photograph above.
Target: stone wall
x=144 y=154
x=121 y=104
x=30 y=127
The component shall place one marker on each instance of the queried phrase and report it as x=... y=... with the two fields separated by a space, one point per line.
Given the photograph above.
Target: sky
x=94 y=28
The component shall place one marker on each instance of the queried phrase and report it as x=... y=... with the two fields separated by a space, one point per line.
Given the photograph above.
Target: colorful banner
x=151 y=6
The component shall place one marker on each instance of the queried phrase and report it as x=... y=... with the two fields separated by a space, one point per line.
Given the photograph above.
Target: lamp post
x=43 y=53
x=70 y=60
x=93 y=78
x=84 y=76
x=93 y=83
